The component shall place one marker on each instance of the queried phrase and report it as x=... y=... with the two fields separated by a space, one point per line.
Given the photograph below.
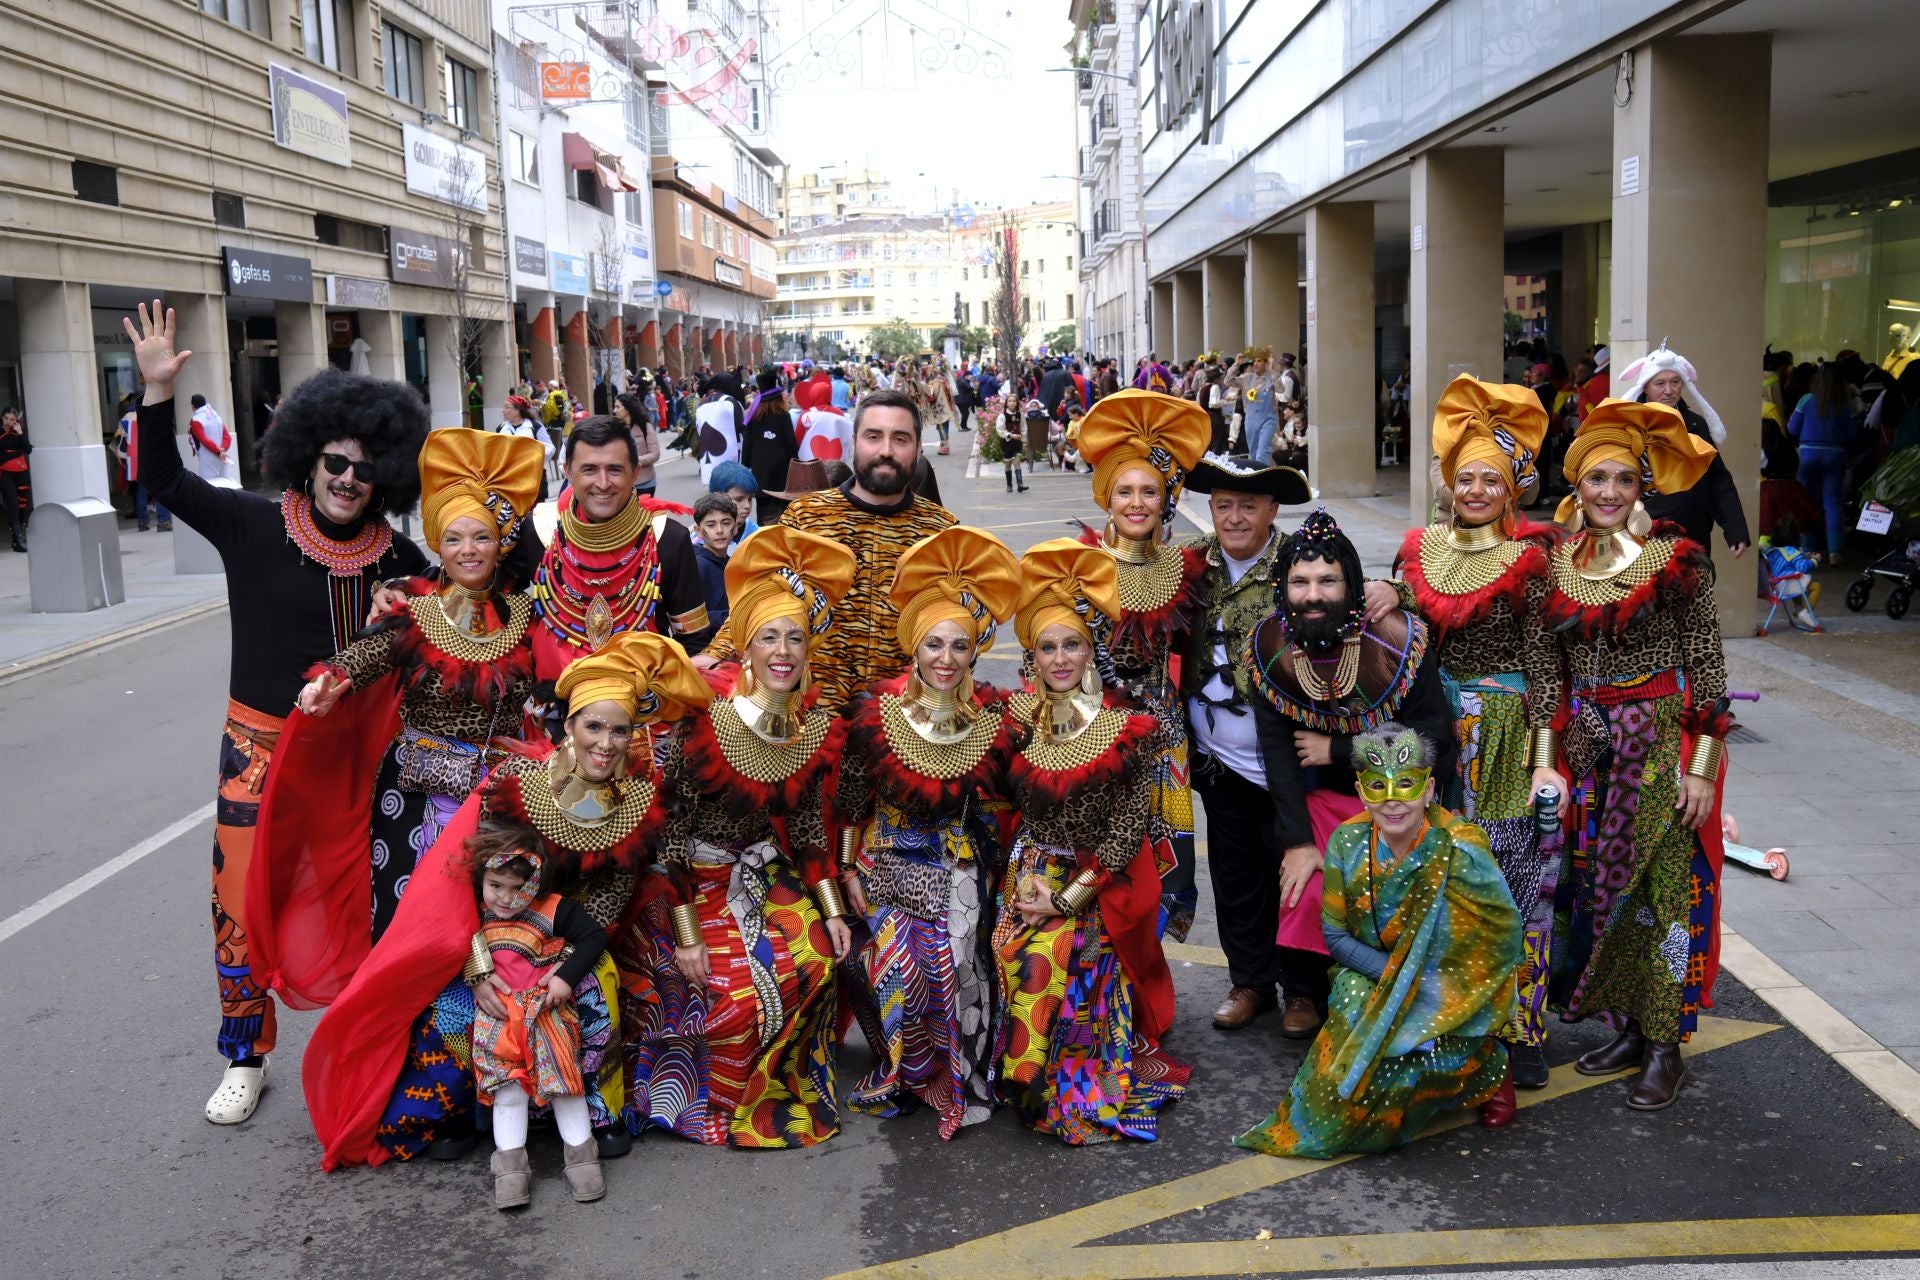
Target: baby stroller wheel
x=1897 y=602
x=1857 y=594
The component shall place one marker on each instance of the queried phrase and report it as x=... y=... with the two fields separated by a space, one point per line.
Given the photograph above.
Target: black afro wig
x=388 y=419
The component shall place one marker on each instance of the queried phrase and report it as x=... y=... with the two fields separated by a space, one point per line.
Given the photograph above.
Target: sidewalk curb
x=41 y=662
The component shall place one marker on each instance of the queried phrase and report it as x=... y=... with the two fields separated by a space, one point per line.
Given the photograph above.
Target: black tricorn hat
x=1238 y=474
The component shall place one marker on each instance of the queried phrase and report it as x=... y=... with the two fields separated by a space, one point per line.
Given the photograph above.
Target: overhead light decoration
x=882 y=44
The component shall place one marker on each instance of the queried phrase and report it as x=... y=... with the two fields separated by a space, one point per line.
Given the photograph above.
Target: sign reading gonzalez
x=309 y=117
x=420 y=257
x=565 y=82
x=252 y=274
x=444 y=170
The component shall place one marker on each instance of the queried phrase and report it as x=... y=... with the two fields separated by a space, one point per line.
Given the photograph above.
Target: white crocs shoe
x=239 y=1093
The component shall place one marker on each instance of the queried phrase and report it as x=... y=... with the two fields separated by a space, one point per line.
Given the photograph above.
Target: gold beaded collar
x=937 y=760
x=430 y=615
x=1455 y=570
x=617 y=534
x=1593 y=592
x=753 y=756
x=1150 y=587
x=1082 y=748
x=563 y=828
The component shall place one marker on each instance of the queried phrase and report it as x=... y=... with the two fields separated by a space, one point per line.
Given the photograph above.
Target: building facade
x=1113 y=279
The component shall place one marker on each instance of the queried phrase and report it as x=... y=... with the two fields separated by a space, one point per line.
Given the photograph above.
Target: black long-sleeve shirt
x=284 y=611
x=1715 y=499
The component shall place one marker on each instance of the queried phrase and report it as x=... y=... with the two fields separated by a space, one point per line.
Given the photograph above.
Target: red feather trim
x=1170 y=619
x=1711 y=721
x=1447 y=613
x=866 y=733
x=661 y=506
x=502 y=800
x=1051 y=788
x=709 y=773
x=1685 y=574
x=414 y=656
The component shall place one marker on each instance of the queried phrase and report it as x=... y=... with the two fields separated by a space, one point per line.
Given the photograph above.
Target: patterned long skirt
x=1069 y=1062
x=1634 y=909
x=929 y=972
x=749 y=1059
x=1495 y=791
x=1402 y=1097
x=405 y=825
x=1170 y=828
x=435 y=1093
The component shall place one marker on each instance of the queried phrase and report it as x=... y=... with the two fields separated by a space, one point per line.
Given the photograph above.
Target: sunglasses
x=337 y=464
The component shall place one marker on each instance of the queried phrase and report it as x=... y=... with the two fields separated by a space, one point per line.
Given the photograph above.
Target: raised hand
x=153 y=351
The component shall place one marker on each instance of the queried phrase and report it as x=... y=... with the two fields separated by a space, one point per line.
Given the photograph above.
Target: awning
x=607 y=166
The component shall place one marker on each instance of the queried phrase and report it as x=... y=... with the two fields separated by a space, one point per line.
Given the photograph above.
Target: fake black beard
x=1316 y=635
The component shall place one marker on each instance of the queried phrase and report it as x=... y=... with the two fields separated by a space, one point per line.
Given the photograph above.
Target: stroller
x=1890 y=505
x=1788 y=575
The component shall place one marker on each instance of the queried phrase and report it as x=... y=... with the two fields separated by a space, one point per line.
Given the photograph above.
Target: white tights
x=510 y=1104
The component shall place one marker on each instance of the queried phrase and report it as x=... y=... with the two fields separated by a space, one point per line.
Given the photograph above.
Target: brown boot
x=1301 y=1020
x=1623 y=1053
x=582 y=1172
x=1660 y=1079
x=512 y=1179
x=1242 y=1005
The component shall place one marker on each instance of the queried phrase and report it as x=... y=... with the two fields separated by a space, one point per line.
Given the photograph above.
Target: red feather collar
x=1039 y=787
x=867 y=734
x=708 y=772
x=1172 y=618
x=1447 y=613
x=1686 y=573
x=624 y=844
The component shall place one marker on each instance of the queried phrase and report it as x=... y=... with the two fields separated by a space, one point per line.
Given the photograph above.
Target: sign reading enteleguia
x=308 y=116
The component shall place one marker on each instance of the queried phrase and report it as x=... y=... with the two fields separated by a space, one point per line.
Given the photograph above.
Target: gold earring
x=1579 y=522
x=1639 y=523
x=1089 y=680
x=745 y=684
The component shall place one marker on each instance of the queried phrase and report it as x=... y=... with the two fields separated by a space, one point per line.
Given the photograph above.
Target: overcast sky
x=942 y=135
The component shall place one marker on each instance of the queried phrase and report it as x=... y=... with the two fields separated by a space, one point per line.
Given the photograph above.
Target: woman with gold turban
x=368 y=783
x=732 y=957
x=915 y=801
x=389 y=1072
x=1631 y=602
x=1078 y=943
x=1479 y=578
x=1141 y=445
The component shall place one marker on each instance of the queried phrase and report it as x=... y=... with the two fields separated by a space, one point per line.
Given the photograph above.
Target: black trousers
x=10 y=499
x=1243 y=861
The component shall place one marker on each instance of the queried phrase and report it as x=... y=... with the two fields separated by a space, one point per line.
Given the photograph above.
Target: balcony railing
x=1086 y=161
x=1106 y=219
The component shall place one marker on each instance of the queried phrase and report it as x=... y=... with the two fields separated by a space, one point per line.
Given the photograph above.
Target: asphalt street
x=1775 y=1162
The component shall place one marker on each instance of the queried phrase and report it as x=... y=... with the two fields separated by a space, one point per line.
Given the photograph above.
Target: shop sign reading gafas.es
x=1183 y=63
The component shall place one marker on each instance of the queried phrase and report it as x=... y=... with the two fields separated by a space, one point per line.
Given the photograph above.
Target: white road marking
x=101 y=874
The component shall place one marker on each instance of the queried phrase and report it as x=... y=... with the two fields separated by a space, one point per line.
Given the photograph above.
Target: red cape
x=1130 y=905
x=310 y=887
x=360 y=1045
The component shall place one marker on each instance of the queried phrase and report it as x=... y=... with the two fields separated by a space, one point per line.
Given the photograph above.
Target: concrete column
x=575 y=364
x=1160 y=341
x=650 y=344
x=1570 y=324
x=1340 y=372
x=301 y=330
x=1223 y=288
x=201 y=327
x=544 y=357
x=386 y=355
x=74 y=536
x=673 y=353
x=1453 y=289
x=498 y=368
x=1189 y=318
x=1273 y=292
x=1689 y=243
x=446 y=389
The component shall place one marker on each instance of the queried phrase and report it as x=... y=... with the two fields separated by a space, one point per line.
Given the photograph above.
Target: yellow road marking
x=1194 y=954
x=1053 y=1247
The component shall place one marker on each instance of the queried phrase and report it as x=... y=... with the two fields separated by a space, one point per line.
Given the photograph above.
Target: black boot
x=1528 y=1065
x=1009 y=482
x=613 y=1142
x=1023 y=481
x=1624 y=1053
x=457 y=1143
x=1660 y=1078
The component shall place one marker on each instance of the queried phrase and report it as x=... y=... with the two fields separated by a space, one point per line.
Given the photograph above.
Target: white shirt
x=1230 y=739
x=209 y=464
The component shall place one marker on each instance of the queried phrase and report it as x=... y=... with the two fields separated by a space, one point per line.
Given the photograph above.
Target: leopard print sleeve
x=1702 y=657
x=1539 y=657
x=368 y=658
x=807 y=831
x=1125 y=808
x=605 y=897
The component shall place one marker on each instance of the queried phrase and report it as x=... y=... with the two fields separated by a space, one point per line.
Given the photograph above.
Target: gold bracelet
x=849 y=846
x=1073 y=899
x=827 y=894
x=686 y=926
x=1705 y=760
x=1544 y=753
x=479 y=966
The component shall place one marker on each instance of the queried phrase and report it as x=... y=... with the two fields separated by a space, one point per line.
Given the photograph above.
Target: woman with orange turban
x=1141 y=445
x=368 y=783
x=1479 y=578
x=1632 y=604
x=389 y=1072
x=915 y=804
x=730 y=964
x=1077 y=943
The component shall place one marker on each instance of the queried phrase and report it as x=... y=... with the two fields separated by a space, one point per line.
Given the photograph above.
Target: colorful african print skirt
x=749 y=1059
x=1170 y=830
x=405 y=825
x=1069 y=1063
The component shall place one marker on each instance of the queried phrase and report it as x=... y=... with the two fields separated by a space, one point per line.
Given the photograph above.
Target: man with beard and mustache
x=1322 y=673
x=301 y=572
x=877 y=515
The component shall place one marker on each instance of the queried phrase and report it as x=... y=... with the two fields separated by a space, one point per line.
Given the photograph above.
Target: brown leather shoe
x=1242 y=1005
x=1623 y=1053
x=1660 y=1079
x=1301 y=1020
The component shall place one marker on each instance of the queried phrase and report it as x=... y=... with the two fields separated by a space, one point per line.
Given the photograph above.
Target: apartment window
x=229 y=210
x=96 y=183
x=963 y=275
x=886 y=279
x=461 y=85
x=586 y=187
x=1069 y=306
x=1069 y=263
x=326 y=30
x=636 y=209
x=913 y=279
x=349 y=234
x=1026 y=310
x=401 y=50
x=1043 y=310
x=248 y=15
x=686 y=221
x=753 y=109
x=1023 y=266
x=726 y=238
x=886 y=253
x=523 y=158
x=706 y=229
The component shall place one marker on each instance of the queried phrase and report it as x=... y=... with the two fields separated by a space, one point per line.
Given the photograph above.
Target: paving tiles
x=1781 y=933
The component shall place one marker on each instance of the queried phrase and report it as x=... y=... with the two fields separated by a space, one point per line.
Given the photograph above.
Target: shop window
x=96 y=183
x=460 y=84
x=229 y=210
x=401 y=54
x=326 y=33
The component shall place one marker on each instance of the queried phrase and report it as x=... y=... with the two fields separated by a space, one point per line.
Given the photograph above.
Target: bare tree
x=465 y=195
x=603 y=282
